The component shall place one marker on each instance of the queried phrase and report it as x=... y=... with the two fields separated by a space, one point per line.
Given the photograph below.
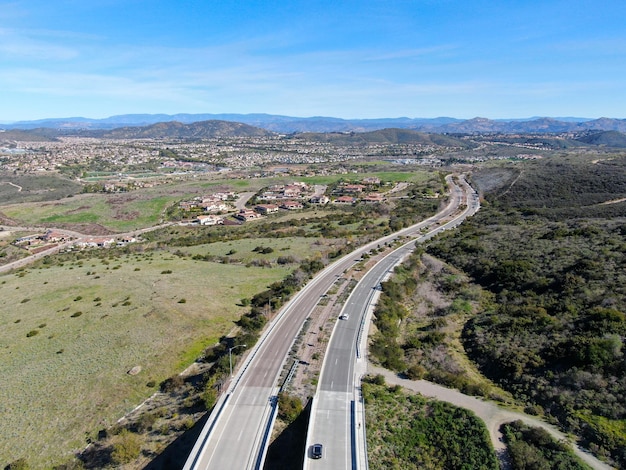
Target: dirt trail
x=489 y=412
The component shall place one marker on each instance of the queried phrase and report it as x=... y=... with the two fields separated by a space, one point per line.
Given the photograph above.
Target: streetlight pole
x=230 y=356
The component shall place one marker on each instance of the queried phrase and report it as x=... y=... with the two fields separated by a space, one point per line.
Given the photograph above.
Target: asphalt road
x=334 y=421
x=235 y=436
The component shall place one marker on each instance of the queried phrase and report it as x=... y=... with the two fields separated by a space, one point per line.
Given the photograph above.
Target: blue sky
x=350 y=59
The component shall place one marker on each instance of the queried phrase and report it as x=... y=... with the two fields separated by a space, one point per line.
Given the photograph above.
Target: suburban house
x=323 y=199
x=345 y=200
x=279 y=191
x=214 y=206
x=188 y=205
x=291 y=205
x=373 y=198
x=126 y=240
x=55 y=236
x=247 y=214
x=96 y=242
x=293 y=190
x=266 y=208
x=352 y=188
x=210 y=220
x=371 y=180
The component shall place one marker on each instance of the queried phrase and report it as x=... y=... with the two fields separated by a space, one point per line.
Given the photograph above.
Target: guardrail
x=205 y=435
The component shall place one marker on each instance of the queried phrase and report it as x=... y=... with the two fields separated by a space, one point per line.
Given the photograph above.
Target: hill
x=384 y=136
x=16 y=135
x=607 y=139
x=196 y=130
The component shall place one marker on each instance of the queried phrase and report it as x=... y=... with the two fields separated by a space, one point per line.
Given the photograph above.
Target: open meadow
x=70 y=334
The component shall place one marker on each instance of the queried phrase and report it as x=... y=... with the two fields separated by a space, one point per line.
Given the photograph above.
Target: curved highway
x=336 y=419
x=237 y=432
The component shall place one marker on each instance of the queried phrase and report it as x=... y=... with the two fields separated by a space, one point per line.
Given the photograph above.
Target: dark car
x=316 y=451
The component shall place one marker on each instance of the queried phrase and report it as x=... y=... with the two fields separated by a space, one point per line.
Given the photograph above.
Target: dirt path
x=19 y=188
x=489 y=412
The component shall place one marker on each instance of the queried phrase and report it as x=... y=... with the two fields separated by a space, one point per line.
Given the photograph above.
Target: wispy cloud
x=17 y=45
x=412 y=53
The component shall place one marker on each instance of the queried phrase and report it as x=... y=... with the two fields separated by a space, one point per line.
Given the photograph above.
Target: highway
x=336 y=419
x=237 y=432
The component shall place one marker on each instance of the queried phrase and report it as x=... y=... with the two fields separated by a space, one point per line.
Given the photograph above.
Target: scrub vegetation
x=550 y=248
x=530 y=308
x=534 y=448
x=411 y=432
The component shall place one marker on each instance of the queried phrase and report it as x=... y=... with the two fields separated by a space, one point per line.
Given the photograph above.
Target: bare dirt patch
x=87 y=229
x=78 y=209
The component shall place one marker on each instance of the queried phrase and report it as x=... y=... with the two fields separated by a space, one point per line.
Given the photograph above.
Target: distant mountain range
x=213 y=129
x=288 y=124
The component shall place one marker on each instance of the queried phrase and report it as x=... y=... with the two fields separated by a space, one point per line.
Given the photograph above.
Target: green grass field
x=242 y=250
x=69 y=334
x=116 y=212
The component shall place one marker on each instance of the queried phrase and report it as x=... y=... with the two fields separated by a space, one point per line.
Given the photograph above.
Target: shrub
x=166 y=271
x=209 y=396
x=289 y=407
x=378 y=379
x=172 y=384
x=76 y=314
x=416 y=372
x=126 y=448
x=32 y=333
x=146 y=422
x=19 y=464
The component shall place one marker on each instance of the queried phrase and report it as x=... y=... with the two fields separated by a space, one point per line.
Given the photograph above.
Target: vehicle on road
x=344 y=316
x=316 y=451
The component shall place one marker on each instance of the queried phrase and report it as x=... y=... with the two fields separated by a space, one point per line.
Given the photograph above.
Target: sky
x=349 y=59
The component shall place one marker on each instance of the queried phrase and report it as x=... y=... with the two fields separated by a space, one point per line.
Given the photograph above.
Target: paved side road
x=493 y=415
